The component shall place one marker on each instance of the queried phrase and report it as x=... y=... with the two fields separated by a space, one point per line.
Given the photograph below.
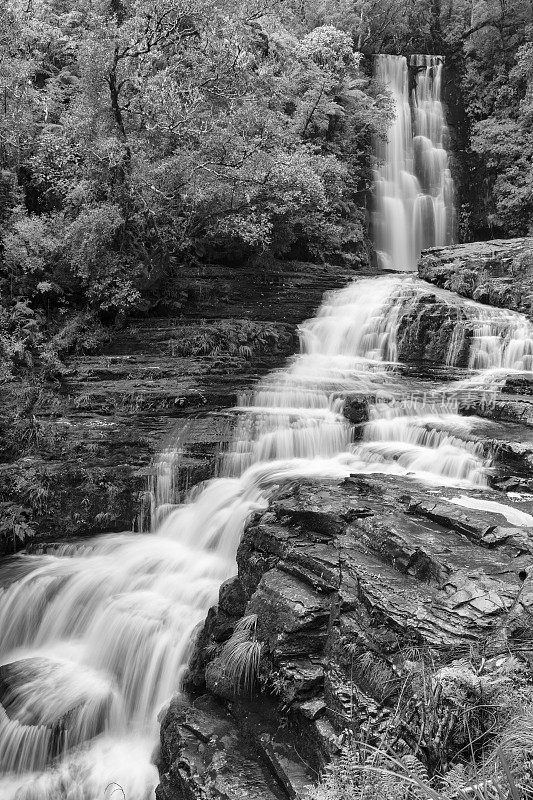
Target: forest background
x=139 y=140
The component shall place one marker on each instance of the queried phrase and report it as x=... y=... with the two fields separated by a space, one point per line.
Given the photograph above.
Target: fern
x=380 y=776
x=341 y=779
x=415 y=769
x=453 y=781
x=242 y=338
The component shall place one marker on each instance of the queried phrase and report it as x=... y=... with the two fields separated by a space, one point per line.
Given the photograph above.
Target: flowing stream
x=95 y=636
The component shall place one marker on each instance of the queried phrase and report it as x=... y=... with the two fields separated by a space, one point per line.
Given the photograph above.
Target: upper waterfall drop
x=413 y=206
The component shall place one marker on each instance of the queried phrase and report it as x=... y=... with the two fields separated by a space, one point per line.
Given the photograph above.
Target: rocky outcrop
x=426 y=330
x=346 y=590
x=513 y=403
x=78 y=453
x=497 y=272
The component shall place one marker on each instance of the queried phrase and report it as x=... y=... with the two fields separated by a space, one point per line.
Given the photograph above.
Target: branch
x=310 y=117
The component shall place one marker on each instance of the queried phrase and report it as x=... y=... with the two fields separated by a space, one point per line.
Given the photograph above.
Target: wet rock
x=208 y=751
x=504 y=408
x=516 y=456
x=347 y=580
x=356 y=409
x=426 y=331
x=312 y=708
x=498 y=273
x=511 y=483
x=217 y=680
x=292 y=618
x=284 y=765
x=232 y=599
x=521 y=385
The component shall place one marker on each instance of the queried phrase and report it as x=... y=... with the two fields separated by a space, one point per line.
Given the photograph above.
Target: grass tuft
x=241 y=655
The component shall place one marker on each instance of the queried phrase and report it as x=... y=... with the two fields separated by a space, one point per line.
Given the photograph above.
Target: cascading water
x=413 y=185
x=94 y=637
x=501 y=341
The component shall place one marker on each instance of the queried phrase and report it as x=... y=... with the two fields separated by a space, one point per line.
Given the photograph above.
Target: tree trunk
x=121 y=171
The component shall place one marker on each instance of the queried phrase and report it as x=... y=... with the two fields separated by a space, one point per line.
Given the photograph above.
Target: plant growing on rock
x=241 y=654
x=15 y=528
x=240 y=338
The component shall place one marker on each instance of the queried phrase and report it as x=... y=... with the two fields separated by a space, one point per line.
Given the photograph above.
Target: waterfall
x=95 y=636
x=413 y=185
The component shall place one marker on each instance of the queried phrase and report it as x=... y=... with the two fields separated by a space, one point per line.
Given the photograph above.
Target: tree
x=146 y=138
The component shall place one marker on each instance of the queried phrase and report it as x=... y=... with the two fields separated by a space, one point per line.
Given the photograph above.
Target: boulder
x=356 y=408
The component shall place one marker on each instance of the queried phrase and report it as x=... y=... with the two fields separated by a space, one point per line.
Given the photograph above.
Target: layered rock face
x=91 y=439
x=349 y=585
x=498 y=272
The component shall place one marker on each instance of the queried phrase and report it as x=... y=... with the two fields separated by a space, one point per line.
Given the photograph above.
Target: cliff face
x=89 y=440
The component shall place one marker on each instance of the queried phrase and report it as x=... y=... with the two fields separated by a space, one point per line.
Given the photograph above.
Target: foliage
x=241 y=654
x=23 y=346
x=138 y=139
x=453 y=736
x=365 y=773
x=15 y=526
x=488 y=85
x=242 y=338
x=504 y=140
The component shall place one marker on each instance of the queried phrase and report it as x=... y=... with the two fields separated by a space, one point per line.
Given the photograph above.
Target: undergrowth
x=453 y=734
x=365 y=773
x=241 y=338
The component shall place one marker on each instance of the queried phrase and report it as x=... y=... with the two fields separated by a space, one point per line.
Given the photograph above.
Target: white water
x=514 y=516
x=500 y=341
x=413 y=185
x=96 y=635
